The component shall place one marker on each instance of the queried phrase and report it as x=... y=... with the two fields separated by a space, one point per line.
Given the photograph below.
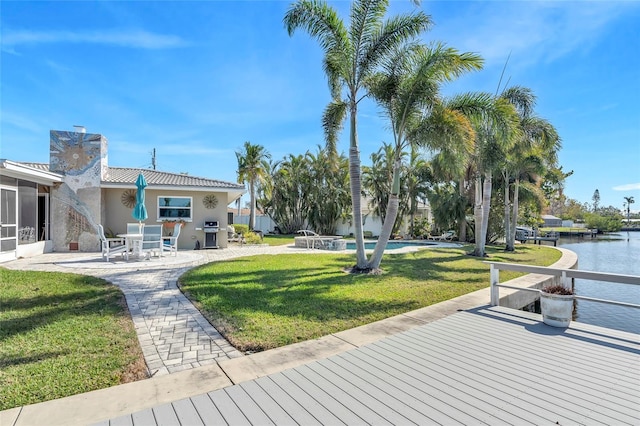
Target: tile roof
x=128 y=176
x=125 y=175
x=38 y=166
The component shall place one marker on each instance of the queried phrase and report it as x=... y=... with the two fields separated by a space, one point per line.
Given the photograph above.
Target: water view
x=617 y=253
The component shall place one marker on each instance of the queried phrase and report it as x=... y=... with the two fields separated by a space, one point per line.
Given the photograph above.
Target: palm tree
x=351 y=56
x=535 y=151
x=408 y=89
x=628 y=202
x=496 y=128
x=328 y=195
x=489 y=124
x=252 y=168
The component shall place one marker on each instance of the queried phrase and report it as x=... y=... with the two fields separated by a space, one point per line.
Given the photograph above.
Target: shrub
x=557 y=289
x=241 y=228
x=252 y=238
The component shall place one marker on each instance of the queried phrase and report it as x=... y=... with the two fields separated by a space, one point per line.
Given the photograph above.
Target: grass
x=278 y=239
x=262 y=302
x=63 y=334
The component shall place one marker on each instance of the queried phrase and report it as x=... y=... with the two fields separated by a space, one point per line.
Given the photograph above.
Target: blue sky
x=194 y=80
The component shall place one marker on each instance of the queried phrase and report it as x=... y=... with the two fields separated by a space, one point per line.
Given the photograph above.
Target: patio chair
x=170 y=244
x=233 y=236
x=135 y=228
x=152 y=240
x=111 y=246
x=447 y=236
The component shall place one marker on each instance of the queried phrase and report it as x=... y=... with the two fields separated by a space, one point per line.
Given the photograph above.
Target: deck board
x=165 y=415
x=296 y=411
x=275 y=412
x=144 y=417
x=207 y=410
x=483 y=366
x=187 y=413
x=252 y=411
x=232 y=414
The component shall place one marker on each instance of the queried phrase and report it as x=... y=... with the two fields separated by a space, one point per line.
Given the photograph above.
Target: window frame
x=159 y=208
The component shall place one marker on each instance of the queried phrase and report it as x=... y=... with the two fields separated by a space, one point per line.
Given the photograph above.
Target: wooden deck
x=483 y=366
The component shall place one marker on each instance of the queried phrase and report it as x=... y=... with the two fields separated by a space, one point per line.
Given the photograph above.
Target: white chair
x=170 y=244
x=135 y=228
x=152 y=240
x=111 y=246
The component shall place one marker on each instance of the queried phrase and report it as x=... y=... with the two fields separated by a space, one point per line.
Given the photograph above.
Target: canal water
x=618 y=253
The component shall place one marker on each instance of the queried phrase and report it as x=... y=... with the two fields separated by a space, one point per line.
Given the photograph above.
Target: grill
x=211 y=229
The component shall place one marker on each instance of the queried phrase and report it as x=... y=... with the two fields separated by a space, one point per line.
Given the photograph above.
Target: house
x=57 y=206
x=551 y=221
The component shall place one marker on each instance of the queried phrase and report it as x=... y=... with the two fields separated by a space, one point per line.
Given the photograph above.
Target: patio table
x=133 y=242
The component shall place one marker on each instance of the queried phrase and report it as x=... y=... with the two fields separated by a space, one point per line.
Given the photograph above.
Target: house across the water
x=57 y=206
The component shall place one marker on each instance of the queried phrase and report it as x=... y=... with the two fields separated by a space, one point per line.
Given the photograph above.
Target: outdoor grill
x=211 y=228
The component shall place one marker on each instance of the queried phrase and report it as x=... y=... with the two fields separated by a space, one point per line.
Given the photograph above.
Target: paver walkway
x=173 y=334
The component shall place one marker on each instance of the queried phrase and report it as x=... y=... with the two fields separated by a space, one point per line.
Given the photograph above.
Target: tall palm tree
x=534 y=149
x=408 y=89
x=252 y=168
x=496 y=129
x=628 y=201
x=490 y=124
x=351 y=56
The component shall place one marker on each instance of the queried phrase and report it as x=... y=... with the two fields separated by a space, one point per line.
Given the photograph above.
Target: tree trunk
x=507 y=220
x=481 y=213
x=252 y=209
x=462 y=225
x=514 y=215
x=356 y=188
x=486 y=208
x=477 y=214
x=389 y=220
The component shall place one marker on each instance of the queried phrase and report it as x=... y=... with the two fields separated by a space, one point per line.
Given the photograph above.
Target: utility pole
x=153 y=159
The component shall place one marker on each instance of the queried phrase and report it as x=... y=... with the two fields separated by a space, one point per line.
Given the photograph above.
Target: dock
x=551 y=236
x=487 y=365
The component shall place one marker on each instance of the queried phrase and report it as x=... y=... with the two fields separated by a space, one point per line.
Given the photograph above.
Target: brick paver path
x=173 y=334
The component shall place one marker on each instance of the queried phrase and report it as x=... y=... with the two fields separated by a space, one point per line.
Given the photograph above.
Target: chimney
x=79 y=129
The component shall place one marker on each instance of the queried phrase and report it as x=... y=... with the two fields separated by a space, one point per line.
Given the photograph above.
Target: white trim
x=20 y=171
x=162 y=218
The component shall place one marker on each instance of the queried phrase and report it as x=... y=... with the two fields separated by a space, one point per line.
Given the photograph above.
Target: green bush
x=603 y=223
x=252 y=238
x=241 y=228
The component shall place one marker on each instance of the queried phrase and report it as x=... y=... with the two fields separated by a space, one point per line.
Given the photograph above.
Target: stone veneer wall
x=76 y=204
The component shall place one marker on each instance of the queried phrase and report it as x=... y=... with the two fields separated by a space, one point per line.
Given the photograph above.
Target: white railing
x=566 y=277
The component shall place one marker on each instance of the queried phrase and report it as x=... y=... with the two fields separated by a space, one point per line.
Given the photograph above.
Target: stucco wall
x=117 y=215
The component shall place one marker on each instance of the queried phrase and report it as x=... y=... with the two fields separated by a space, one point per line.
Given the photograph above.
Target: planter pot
x=556 y=309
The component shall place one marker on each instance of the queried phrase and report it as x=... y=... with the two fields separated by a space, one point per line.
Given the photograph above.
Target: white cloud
x=628 y=187
x=532 y=31
x=126 y=38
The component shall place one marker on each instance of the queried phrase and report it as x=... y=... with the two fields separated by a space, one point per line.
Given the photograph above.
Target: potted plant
x=556 y=305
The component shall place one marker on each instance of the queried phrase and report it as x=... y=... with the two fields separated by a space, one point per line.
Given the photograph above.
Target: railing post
x=565 y=281
x=494 y=277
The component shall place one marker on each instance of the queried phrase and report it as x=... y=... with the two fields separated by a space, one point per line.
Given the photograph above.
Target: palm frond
x=332 y=123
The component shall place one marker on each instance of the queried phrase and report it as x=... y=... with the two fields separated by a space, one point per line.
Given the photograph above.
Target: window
x=175 y=208
x=27 y=212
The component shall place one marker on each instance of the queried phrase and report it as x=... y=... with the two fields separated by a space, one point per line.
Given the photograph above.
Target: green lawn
x=278 y=240
x=266 y=301
x=63 y=334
